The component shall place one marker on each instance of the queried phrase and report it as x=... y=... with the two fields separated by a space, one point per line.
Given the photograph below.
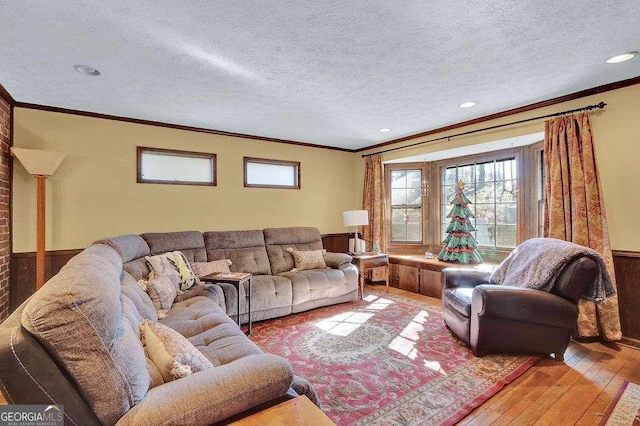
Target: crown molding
x=173 y=126
x=541 y=104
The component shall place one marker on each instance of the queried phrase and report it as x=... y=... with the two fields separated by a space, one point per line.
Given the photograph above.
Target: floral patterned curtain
x=374 y=202
x=574 y=210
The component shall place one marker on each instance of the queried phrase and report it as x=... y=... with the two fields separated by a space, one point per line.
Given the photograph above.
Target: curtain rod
x=587 y=108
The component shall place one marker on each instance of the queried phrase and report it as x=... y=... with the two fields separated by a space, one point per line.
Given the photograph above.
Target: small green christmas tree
x=460 y=246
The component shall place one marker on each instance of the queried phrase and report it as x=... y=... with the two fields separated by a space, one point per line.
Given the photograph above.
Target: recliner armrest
x=523 y=304
x=464 y=277
x=337 y=260
x=213 y=395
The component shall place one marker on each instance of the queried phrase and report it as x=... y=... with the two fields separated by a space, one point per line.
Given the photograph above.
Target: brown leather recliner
x=494 y=318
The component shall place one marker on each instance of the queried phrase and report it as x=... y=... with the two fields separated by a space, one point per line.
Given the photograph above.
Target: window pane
x=398 y=196
x=465 y=173
x=414 y=196
x=449 y=176
x=176 y=167
x=398 y=179
x=506 y=213
x=448 y=192
x=506 y=169
x=398 y=224
x=484 y=232
x=485 y=212
x=506 y=191
x=445 y=211
x=444 y=231
x=484 y=172
x=271 y=174
x=414 y=179
x=485 y=192
x=506 y=235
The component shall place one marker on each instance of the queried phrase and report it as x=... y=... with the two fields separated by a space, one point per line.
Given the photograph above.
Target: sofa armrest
x=523 y=304
x=464 y=277
x=213 y=395
x=337 y=260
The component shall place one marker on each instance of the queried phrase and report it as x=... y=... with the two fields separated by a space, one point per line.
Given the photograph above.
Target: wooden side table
x=367 y=261
x=236 y=279
x=293 y=412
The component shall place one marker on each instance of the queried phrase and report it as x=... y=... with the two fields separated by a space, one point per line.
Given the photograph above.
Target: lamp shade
x=38 y=162
x=355 y=217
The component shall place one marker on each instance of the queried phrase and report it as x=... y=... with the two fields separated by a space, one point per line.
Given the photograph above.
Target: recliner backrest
x=298 y=238
x=575 y=277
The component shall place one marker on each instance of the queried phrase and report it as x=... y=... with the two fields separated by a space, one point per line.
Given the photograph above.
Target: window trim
x=295 y=164
x=140 y=150
x=388 y=168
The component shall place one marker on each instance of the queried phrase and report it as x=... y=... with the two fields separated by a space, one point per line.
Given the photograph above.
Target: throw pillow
x=215 y=266
x=162 y=293
x=187 y=276
x=171 y=352
x=175 y=265
x=311 y=259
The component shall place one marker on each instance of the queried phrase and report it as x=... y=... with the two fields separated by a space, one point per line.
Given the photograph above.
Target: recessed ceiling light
x=621 y=57
x=467 y=104
x=384 y=130
x=86 y=70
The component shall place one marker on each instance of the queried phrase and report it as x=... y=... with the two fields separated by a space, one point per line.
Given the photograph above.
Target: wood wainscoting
x=23 y=266
x=23 y=272
x=627 y=266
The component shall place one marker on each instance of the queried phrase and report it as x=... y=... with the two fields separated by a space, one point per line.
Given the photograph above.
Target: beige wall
x=94 y=193
x=616 y=132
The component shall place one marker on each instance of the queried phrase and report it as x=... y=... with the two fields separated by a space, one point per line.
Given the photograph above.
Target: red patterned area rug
x=387 y=360
x=624 y=410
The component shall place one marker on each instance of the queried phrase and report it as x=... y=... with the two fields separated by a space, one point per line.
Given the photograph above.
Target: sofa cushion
x=190 y=243
x=316 y=284
x=277 y=241
x=460 y=300
x=210 y=330
x=244 y=248
x=138 y=268
x=173 y=355
x=129 y=247
x=139 y=298
x=78 y=317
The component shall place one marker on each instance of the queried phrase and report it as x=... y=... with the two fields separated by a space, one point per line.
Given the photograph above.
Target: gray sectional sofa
x=76 y=341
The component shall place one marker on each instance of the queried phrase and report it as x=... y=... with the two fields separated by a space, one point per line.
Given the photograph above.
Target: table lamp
x=355 y=218
x=40 y=164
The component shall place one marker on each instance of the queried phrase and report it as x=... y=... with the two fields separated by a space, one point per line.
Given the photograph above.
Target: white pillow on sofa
x=171 y=352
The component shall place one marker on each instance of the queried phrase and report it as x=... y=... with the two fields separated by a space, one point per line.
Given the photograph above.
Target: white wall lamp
x=40 y=164
x=355 y=218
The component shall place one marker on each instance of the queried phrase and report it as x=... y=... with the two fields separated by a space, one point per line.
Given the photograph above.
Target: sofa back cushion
x=278 y=240
x=78 y=316
x=244 y=248
x=190 y=243
x=132 y=250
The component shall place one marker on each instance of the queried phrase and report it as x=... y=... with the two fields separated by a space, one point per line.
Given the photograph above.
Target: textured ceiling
x=324 y=72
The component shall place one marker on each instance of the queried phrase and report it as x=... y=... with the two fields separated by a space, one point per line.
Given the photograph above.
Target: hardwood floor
x=576 y=392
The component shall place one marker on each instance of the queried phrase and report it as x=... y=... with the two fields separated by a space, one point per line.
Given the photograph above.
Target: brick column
x=5 y=203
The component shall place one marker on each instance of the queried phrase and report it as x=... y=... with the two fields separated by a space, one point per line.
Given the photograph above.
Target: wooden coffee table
x=236 y=279
x=293 y=412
